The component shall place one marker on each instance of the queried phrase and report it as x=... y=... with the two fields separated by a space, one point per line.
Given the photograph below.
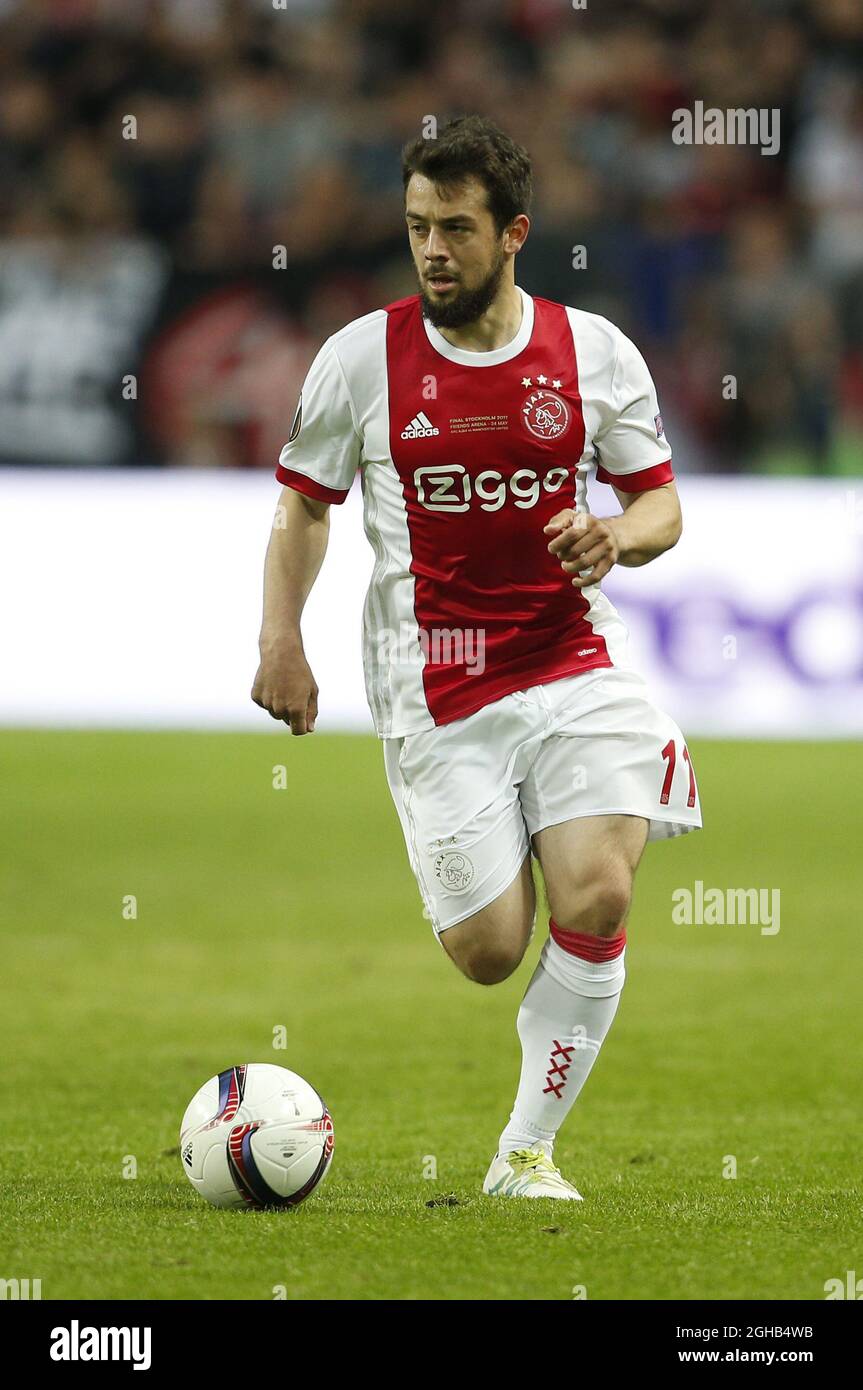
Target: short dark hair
x=473 y=146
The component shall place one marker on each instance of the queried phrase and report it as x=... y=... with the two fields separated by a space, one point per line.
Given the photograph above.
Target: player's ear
x=516 y=233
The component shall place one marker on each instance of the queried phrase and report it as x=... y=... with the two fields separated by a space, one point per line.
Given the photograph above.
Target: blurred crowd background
x=155 y=156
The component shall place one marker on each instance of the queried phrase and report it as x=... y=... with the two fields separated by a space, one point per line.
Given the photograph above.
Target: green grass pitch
x=259 y=907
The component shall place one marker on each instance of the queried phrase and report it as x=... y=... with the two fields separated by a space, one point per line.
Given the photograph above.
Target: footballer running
x=496 y=669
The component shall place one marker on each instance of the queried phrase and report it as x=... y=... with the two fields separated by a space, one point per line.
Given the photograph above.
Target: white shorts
x=470 y=794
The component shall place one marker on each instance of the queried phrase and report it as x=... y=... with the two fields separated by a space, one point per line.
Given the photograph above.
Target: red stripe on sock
x=593 y=948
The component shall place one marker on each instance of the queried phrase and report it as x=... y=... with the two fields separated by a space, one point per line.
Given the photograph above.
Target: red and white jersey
x=464 y=458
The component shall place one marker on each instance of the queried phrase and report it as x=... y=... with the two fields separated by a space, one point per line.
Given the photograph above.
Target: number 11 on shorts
x=669 y=752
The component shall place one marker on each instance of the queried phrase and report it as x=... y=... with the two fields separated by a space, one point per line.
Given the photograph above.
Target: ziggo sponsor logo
x=450 y=488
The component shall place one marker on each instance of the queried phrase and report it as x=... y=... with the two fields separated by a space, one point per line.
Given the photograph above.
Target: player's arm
x=316 y=468
x=649 y=524
x=633 y=456
x=284 y=684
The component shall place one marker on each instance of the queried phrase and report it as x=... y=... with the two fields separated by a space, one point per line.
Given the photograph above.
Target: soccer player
x=496 y=668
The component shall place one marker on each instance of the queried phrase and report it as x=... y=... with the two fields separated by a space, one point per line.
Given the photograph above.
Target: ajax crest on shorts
x=454 y=870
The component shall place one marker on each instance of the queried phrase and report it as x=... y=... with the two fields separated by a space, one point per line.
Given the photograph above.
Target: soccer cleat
x=527 y=1173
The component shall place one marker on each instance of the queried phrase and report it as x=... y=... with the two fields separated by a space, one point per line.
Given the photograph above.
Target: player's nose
x=436 y=247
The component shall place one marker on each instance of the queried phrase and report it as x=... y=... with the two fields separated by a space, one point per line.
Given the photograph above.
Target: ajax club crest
x=454 y=870
x=546 y=414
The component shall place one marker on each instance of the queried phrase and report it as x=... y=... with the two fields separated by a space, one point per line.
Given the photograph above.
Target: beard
x=463 y=306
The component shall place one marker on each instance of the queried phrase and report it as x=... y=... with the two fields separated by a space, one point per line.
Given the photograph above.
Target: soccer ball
x=256 y=1136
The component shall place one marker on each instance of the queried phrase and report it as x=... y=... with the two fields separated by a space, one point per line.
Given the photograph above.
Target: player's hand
x=582 y=542
x=285 y=687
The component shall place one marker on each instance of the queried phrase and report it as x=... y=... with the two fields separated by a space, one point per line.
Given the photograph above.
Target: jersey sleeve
x=323 y=450
x=632 y=451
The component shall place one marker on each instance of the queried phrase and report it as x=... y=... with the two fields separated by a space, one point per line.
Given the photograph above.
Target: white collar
x=497 y=355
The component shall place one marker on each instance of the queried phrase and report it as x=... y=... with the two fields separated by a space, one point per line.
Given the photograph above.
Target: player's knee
x=488 y=964
x=599 y=906
x=488 y=946
x=487 y=952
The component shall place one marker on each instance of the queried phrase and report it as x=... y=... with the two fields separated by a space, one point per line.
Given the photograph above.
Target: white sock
x=567 y=1009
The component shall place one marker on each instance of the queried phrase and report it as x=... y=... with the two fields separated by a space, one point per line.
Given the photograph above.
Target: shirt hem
x=523 y=683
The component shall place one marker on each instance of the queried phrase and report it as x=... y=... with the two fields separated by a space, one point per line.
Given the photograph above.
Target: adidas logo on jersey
x=420 y=427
